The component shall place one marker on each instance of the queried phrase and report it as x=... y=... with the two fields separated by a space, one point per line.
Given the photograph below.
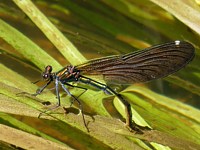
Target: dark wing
x=141 y=66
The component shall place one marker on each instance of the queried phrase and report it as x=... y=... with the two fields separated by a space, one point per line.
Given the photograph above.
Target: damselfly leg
x=57 y=83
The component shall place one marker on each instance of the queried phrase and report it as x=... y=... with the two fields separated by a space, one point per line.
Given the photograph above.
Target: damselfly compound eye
x=45 y=76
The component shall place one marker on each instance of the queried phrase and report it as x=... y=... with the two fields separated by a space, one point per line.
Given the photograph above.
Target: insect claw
x=137 y=128
x=40 y=114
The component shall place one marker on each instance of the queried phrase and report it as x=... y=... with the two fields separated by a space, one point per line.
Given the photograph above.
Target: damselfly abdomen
x=141 y=66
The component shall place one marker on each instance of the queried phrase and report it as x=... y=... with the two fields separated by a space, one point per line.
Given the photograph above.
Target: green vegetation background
x=91 y=29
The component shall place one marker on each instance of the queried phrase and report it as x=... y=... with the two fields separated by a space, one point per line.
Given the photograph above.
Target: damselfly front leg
x=49 y=77
x=79 y=103
x=39 y=90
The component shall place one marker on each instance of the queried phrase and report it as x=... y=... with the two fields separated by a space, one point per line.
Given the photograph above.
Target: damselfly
x=141 y=66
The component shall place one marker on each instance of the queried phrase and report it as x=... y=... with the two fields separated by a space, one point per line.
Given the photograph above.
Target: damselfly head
x=47 y=73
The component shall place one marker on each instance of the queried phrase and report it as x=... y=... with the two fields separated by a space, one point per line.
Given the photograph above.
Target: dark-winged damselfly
x=140 y=66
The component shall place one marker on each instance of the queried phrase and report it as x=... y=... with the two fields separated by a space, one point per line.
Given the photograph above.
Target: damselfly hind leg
x=131 y=125
x=79 y=103
x=74 y=86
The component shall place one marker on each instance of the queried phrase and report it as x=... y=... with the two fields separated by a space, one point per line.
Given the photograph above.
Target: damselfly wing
x=141 y=66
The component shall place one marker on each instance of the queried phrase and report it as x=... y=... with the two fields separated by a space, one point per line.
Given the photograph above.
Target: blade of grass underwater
x=26 y=47
x=184 y=84
x=21 y=83
x=11 y=121
x=108 y=25
x=96 y=130
x=149 y=15
x=166 y=115
x=188 y=14
x=166 y=102
x=72 y=123
x=99 y=132
x=11 y=105
x=164 y=121
x=138 y=120
x=21 y=139
x=66 y=48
